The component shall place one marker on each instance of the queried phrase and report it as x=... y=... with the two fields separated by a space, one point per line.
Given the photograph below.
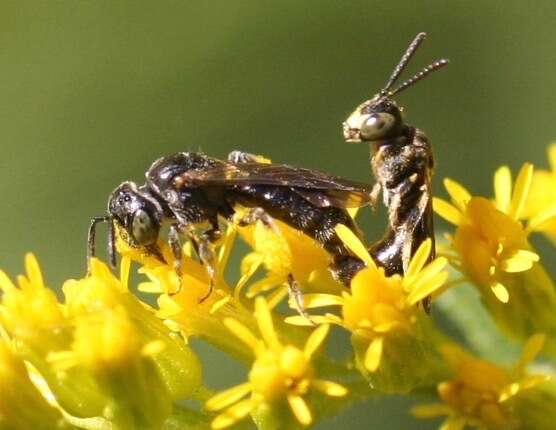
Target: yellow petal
x=226 y=248
x=265 y=284
x=503 y=188
x=300 y=409
x=425 y=289
x=219 y=304
x=531 y=381
x=227 y=397
x=419 y=259
x=430 y=410
x=459 y=195
x=525 y=383
x=316 y=339
x=538 y=221
x=531 y=349
x=253 y=261
x=500 y=292
x=427 y=273
x=242 y=333
x=330 y=388
x=519 y=261
x=447 y=211
x=321 y=300
x=33 y=271
x=266 y=326
x=149 y=288
x=521 y=190
x=354 y=244
x=125 y=267
x=374 y=354
x=233 y=414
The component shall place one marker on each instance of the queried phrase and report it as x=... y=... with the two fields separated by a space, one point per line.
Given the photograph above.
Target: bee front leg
x=205 y=250
x=175 y=245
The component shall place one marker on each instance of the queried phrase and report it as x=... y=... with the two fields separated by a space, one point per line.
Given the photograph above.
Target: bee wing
x=318 y=188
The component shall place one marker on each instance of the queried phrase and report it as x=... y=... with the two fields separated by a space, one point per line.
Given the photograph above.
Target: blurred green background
x=92 y=92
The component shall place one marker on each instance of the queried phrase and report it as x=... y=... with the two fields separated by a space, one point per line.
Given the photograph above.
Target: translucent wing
x=319 y=188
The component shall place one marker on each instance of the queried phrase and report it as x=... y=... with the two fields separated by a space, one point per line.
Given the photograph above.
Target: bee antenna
x=438 y=64
x=403 y=62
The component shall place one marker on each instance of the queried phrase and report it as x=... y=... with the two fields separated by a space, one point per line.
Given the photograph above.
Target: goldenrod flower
x=22 y=407
x=490 y=239
x=102 y=353
x=284 y=251
x=494 y=254
x=484 y=395
x=381 y=309
x=540 y=206
x=280 y=373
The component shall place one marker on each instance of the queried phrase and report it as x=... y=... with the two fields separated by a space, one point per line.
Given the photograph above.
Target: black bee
x=191 y=193
x=402 y=162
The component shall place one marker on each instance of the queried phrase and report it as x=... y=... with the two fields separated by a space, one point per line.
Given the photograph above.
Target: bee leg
x=175 y=245
x=206 y=254
x=296 y=296
x=238 y=157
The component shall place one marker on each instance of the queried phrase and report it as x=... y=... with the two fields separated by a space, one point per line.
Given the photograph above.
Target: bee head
x=380 y=118
x=374 y=120
x=136 y=213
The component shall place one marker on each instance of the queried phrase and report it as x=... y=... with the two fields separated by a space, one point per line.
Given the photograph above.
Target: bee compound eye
x=143 y=228
x=376 y=126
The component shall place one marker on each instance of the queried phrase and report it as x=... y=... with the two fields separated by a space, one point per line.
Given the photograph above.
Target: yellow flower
x=22 y=407
x=280 y=373
x=284 y=251
x=379 y=307
x=540 y=206
x=490 y=240
x=482 y=394
x=99 y=350
x=30 y=312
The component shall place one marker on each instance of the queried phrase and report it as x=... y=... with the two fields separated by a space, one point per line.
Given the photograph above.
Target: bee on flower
x=281 y=374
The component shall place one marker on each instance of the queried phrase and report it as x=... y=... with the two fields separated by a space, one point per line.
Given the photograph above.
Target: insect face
x=374 y=120
x=135 y=213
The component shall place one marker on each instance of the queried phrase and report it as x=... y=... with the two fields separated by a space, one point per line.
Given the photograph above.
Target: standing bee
x=189 y=190
x=402 y=162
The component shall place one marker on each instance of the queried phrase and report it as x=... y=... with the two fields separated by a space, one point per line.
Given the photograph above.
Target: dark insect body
x=402 y=162
x=191 y=192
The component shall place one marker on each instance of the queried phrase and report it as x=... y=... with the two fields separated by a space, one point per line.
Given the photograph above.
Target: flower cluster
x=97 y=357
